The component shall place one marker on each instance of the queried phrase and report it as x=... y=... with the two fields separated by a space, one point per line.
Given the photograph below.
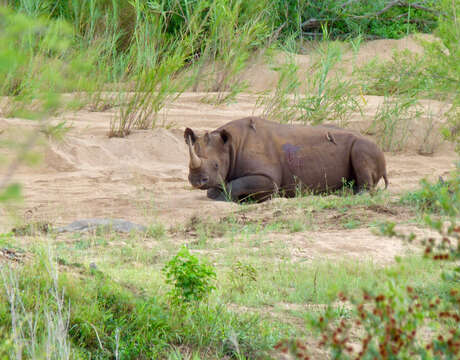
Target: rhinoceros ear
x=189 y=134
x=225 y=136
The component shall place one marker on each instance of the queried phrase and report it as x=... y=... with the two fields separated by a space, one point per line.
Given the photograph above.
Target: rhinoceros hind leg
x=364 y=164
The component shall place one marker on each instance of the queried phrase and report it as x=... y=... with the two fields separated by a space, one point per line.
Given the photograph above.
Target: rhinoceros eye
x=216 y=166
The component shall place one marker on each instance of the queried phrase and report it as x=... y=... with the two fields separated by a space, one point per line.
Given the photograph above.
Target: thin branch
x=314 y=23
x=390 y=5
x=345 y=4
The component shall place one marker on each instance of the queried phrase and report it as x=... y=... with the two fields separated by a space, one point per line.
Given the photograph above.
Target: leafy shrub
x=380 y=18
x=404 y=74
x=442 y=197
x=191 y=280
x=391 y=324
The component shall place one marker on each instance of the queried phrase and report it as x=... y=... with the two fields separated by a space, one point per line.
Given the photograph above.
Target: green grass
x=117 y=293
x=147 y=325
x=118 y=296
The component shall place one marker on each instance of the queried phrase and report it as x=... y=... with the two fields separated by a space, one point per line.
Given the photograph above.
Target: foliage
x=393 y=121
x=351 y=18
x=404 y=74
x=278 y=105
x=335 y=98
x=241 y=275
x=105 y=318
x=326 y=96
x=191 y=280
x=442 y=197
x=37 y=63
x=398 y=322
x=391 y=324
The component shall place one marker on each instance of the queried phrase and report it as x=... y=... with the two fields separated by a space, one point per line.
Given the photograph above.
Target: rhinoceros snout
x=199 y=181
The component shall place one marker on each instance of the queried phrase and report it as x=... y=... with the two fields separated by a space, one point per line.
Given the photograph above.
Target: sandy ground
x=143 y=177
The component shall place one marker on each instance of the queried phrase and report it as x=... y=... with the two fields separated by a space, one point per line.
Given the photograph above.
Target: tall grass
x=41 y=332
x=328 y=96
x=279 y=104
x=393 y=121
x=324 y=95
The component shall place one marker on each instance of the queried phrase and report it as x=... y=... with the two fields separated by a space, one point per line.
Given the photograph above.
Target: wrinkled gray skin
x=255 y=157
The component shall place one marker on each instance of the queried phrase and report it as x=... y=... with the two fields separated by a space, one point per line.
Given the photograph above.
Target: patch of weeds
x=156 y=231
x=451 y=130
x=56 y=132
x=241 y=276
x=6 y=239
x=431 y=136
x=278 y=104
x=331 y=201
x=296 y=225
x=393 y=121
x=89 y=242
x=201 y=240
x=404 y=74
x=229 y=47
x=404 y=316
x=352 y=223
x=35 y=228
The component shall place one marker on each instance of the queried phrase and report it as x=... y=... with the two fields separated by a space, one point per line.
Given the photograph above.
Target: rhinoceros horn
x=195 y=161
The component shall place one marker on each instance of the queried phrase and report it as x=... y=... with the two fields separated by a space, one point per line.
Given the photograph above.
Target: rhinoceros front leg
x=253 y=185
x=216 y=194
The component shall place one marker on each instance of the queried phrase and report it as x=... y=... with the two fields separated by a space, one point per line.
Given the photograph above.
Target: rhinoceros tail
x=385 y=178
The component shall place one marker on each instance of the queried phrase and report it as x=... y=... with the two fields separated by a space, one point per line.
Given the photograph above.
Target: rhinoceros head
x=209 y=158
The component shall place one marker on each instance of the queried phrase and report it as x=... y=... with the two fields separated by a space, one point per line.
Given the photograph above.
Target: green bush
x=191 y=280
x=442 y=197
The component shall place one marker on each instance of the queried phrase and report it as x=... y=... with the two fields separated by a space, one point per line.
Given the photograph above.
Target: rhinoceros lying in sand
x=253 y=157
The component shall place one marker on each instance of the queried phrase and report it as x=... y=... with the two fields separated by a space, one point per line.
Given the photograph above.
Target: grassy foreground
x=105 y=295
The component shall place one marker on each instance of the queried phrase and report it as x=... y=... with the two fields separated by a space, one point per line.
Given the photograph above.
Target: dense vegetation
x=123 y=37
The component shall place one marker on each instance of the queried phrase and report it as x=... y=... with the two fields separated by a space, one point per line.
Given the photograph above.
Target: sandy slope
x=143 y=177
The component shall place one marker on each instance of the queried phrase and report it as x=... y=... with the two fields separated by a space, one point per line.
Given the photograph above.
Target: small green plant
x=191 y=280
x=156 y=231
x=56 y=132
x=451 y=131
x=242 y=275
